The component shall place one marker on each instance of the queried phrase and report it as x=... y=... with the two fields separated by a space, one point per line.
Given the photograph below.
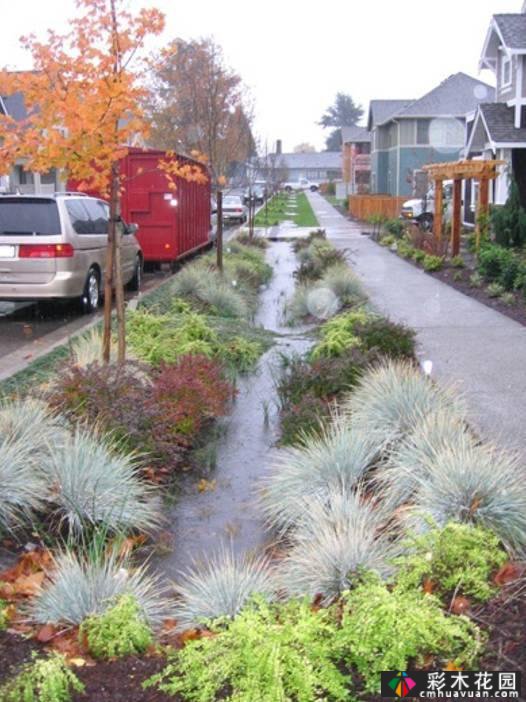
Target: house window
x=506 y=71
x=422 y=131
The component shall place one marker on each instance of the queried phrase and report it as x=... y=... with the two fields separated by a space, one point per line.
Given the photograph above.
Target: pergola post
x=483 y=207
x=439 y=202
x=457 y=217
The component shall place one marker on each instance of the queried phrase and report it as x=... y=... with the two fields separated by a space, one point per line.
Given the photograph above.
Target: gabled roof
x=321 y=160
x=512 y=30
x=508 y=31
x=381 y=110
x=498 y=122
x=454 y=97
x=355 y=135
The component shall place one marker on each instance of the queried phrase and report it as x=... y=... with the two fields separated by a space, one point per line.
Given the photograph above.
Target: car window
x=98 y=213
x=232 y=201
x=79 y=216
x=19 y=216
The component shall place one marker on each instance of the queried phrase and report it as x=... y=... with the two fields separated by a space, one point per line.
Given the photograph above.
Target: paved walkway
x=480 y=350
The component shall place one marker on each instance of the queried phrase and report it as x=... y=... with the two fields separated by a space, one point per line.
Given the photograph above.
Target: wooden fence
x=365 y=206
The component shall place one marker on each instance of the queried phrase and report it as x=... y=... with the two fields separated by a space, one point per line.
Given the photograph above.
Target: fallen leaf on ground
x=206 y=485
x=460 y=605
x=508 y=573
x=46 y=633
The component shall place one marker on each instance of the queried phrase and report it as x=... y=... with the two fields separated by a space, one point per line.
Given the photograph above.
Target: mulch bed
x=121 y=681
x=516 y=311
x=14 y=651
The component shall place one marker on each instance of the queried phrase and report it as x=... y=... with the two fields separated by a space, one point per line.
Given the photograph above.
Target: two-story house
x=19 y=180
x=408 y=134
x=356 y=159
x=499 y=127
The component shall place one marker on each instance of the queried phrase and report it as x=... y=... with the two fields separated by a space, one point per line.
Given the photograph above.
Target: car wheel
x=136 y=282
x=288 y=189
x=426 y=222
x=313 y=188
x=91 y=296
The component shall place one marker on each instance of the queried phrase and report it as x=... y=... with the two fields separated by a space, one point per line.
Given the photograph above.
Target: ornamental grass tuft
x=222 y=587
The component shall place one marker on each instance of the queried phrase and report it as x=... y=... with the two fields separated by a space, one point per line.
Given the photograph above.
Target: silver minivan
x=54 y=247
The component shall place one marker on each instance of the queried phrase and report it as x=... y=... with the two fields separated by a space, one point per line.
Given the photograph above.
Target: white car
x=422 y=210
x=301 y=184
x=234 y=210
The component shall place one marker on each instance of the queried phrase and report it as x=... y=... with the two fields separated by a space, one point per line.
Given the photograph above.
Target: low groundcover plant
x=267 y=653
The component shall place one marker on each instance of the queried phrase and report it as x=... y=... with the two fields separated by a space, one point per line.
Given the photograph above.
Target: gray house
x=19 y=180
x=318 y=167
x=408 y=134
x=498 y=128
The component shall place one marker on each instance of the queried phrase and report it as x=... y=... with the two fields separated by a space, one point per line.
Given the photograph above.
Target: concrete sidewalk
x=479 y=350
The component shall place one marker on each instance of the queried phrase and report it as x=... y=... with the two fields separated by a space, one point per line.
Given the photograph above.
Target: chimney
x=279 y=145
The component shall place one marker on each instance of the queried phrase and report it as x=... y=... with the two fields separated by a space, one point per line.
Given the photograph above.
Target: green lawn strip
x=275 y=211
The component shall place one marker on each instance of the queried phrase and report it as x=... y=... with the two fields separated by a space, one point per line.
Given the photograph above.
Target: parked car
x=301 y=184
x=213 y=219
x=257 y=192
x=422 y=210
x=234 y=210
x=54 y=246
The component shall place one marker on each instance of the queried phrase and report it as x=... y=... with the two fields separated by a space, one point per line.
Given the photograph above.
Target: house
x=408 y=134
x=319 y=167
x=356 y=160
x=19 y=180
x=498 y=127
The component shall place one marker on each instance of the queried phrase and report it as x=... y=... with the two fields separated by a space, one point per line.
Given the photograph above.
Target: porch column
x=439 y=202
x=483 y=208
x=457 y=217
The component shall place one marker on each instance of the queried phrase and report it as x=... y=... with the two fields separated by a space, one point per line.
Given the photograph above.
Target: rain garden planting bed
x=398 y=533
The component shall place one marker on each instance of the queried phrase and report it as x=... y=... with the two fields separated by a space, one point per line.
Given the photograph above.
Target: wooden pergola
x=457 y=171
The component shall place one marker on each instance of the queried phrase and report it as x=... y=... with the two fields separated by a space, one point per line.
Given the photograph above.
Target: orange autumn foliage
x=83 y=99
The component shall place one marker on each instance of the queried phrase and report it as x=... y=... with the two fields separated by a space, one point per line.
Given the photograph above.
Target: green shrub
x=44 y=680
x=432 y=263
x=3 y=614
x=476 y=280
x=492 y=260
x=509 y=221
x=385 y=337
x=508 y=298
x=419 y=255
x=304 y=419
x=267 y=653
x=457 y=262
x=337 y=335
x=457 y=558
x=404 y=249
x=386 y=629
x=258 y=241
x=495 y=290
x=316 y=235
x=316 y=259
x=520 y=278
x=511 y=268
x=119 y=631
x=387 y=240
x=395 y=227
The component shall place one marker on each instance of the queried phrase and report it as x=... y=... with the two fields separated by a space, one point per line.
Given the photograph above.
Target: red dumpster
x=172 y=224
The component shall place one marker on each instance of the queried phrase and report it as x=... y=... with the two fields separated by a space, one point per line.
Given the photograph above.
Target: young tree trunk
x=108 y=276
x=119 y=285
x=220 y=230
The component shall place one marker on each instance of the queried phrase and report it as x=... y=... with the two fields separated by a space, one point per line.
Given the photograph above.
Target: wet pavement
x=226 y=512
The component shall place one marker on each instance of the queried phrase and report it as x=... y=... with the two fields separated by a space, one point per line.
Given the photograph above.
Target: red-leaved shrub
x=158 y=412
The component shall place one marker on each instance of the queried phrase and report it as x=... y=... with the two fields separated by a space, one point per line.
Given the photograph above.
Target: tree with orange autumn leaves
x=84 y=102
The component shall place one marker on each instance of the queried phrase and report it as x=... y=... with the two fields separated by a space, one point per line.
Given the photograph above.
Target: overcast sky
x=294 y=55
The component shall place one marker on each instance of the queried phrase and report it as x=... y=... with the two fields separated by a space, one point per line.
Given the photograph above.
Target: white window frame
x=506 y=64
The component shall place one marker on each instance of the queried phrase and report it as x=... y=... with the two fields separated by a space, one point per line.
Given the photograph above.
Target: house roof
x=512 y=29
x=454 y=97
x=381 y=110
x=321 y=160
x=14 y=106
x=499 y=120
x=355 y=135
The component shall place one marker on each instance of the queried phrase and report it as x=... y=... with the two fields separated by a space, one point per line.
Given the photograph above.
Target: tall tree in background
x=304 y=148
x=197 y=103
x=83 y=100
x=344 y=112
